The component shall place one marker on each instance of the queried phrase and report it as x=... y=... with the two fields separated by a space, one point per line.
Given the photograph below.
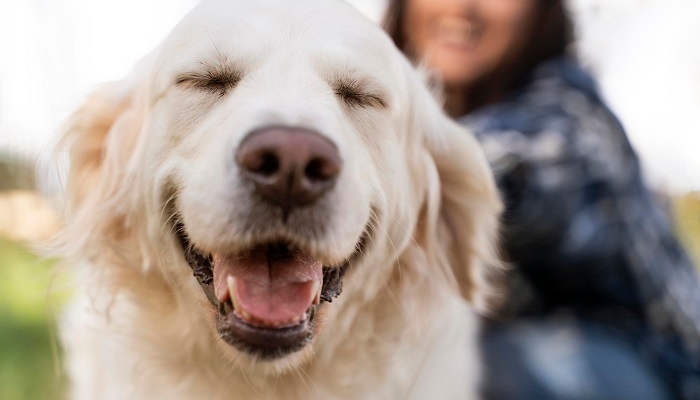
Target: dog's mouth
x=267 y=296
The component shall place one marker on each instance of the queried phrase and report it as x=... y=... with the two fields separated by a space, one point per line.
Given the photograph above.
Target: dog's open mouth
x=271 y=286
x=266 y=296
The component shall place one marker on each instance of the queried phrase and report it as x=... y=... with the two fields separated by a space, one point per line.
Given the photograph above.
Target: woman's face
x=463 y=40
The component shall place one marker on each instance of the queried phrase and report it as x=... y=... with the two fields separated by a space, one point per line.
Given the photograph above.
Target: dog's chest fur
x=122 y=350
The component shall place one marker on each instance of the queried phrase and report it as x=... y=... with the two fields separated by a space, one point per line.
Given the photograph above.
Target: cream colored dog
x=267 y=155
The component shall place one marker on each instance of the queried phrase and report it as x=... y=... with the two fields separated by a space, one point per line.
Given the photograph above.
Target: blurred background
x=644 y=54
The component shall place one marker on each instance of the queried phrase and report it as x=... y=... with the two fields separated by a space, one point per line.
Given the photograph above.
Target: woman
x=603 y=302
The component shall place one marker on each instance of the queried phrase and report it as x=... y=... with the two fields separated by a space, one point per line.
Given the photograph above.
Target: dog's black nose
x=290 y=167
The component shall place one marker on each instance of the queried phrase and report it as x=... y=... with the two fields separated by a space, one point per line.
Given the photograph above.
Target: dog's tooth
x=317 y=288
x=292 y=321
x=246 y=316
x=231 y=283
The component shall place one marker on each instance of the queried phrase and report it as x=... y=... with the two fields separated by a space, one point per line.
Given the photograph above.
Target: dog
x=272 y=205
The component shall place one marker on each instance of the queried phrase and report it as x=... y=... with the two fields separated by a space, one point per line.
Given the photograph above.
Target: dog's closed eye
x=355 y=94
x=218 y=80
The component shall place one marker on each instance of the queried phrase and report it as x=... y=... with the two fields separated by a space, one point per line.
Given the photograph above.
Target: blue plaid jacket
x=582 y=230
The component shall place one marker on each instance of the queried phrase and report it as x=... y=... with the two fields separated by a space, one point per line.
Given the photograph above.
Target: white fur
x=403 y=328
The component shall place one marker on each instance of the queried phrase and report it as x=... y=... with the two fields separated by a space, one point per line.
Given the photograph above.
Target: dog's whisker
x=168 y=203
x=305 y=379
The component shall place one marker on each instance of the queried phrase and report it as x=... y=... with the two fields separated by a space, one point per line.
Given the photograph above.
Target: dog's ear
x=462 y=208
x=99 y=139
x=109 y=114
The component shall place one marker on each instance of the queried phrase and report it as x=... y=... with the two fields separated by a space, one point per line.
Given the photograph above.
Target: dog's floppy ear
x=462 y=207
x=99 y=139
x=109 y=114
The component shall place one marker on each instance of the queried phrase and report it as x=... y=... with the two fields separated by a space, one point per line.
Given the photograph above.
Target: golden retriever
x=273 y=206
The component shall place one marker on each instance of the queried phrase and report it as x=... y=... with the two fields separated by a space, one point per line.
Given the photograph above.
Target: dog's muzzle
x=268 y=294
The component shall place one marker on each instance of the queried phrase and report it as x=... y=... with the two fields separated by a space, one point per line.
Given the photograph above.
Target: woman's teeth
x=457 y=31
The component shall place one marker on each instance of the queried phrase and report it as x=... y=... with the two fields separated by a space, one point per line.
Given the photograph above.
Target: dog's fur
x=158 y=144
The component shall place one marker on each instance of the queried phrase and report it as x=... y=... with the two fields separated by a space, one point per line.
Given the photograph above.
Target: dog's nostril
x=269 y=164
x=264 y=163
x=318 y=170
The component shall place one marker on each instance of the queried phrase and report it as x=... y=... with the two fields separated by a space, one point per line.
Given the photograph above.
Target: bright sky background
x=645 y=53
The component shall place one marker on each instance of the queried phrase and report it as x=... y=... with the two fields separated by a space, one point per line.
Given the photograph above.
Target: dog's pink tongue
x=269 y=290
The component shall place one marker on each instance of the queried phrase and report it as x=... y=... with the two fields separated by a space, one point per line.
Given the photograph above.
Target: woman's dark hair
x=552 y=33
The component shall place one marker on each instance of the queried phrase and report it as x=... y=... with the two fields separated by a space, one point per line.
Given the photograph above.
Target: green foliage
x=28 y=364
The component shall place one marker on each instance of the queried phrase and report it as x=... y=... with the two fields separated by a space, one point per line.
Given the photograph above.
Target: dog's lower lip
x=266 y=343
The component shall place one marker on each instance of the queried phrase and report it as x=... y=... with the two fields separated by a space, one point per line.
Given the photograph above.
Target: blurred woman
x=603 y=303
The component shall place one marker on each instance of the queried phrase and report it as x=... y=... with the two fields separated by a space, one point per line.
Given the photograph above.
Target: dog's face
x=276 y=149
x=270 y=130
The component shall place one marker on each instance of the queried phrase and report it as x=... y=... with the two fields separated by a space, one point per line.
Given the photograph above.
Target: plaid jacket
x=581 y=229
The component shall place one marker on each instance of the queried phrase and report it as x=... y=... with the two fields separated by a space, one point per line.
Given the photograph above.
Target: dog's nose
x=289 y=166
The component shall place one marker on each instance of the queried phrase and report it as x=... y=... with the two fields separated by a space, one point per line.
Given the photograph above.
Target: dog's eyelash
x=219 y=81
x=353 y=95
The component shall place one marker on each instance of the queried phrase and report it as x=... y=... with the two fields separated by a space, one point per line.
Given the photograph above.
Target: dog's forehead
x=249 y=26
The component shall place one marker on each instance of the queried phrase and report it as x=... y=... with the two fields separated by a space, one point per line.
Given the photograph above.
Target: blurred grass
x=28 y=369
x=27 y=362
